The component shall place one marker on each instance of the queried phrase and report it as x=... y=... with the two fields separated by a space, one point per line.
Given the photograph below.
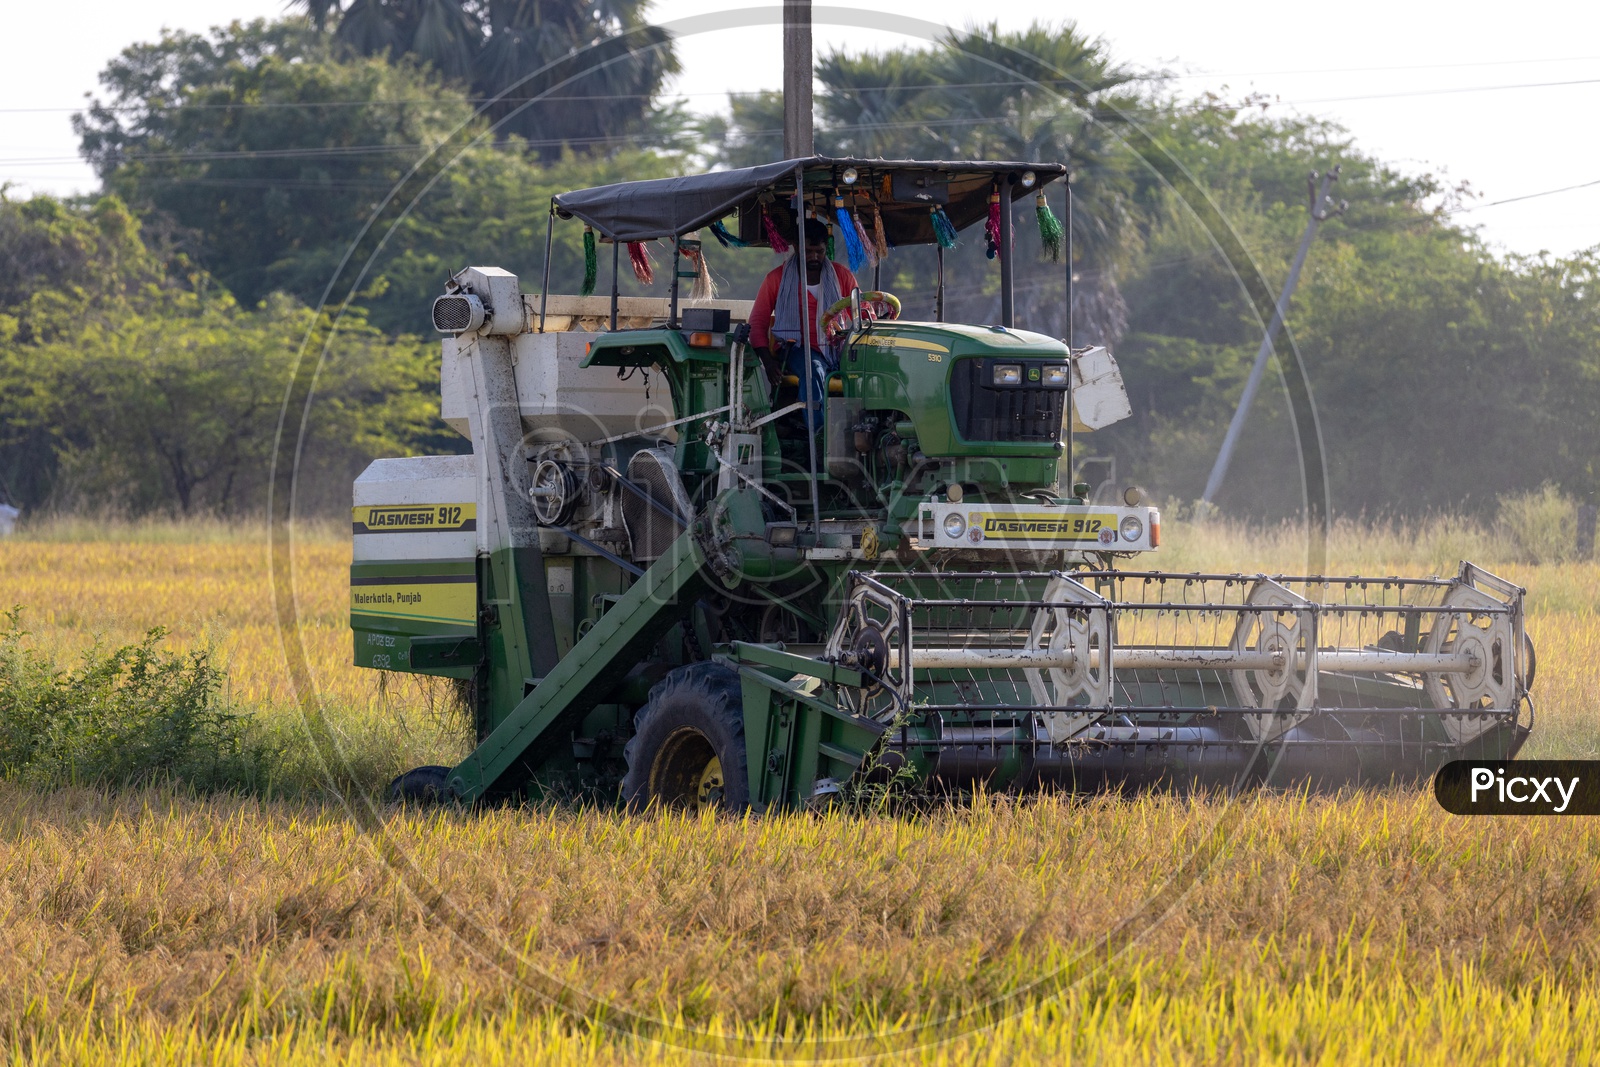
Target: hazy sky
x=1502 y=96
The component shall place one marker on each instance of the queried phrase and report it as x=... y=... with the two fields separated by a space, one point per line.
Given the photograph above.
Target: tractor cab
x=904 y=423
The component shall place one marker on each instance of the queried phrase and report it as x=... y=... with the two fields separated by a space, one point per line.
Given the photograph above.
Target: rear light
x=702 y=340
x=1155 y=529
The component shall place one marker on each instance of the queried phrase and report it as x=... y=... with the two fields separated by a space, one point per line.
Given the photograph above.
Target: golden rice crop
x=1366 y=927
x=1356 y=928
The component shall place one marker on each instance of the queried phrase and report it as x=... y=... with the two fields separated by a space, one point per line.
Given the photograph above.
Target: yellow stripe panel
x=890 y=341
x=455 y=602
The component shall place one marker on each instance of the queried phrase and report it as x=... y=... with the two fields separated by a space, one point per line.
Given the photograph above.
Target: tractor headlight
x=954 y=525
x=1056 y=376
x=1008 y=374
x=1131 y=528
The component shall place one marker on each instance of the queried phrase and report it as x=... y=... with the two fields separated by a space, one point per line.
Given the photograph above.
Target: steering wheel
x=839 y=320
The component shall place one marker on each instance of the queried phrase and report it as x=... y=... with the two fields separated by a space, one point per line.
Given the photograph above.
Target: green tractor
x=670 y=573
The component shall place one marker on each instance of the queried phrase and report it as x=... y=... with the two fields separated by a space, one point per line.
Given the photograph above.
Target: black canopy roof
x=903 y=189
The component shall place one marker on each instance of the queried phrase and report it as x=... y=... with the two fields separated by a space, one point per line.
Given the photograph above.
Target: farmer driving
x=775 y=318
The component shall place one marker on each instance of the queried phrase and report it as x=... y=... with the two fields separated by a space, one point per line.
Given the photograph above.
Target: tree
x=126 y=388
x=600 y=62
x=268 y=152
x=174 y=408
x=1442 y=376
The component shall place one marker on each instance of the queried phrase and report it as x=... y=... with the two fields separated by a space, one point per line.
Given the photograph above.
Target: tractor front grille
x=987 y=412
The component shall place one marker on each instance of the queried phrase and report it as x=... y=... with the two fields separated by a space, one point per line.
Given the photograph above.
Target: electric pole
x=797 y=139
x=1322 y=207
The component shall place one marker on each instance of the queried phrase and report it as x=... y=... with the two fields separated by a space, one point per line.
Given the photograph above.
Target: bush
x=134 y=714
x=1542 y=525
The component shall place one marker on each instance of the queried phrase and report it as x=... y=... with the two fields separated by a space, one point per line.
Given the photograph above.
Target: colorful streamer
x=855 y=252
x=639 y=256
x=1050 y=231
x=862 y=236
x=724 y=238
x=878 y=238
x=591 y=261
x=773 y=234
x=991 y=228
x=704 y=288
x=944 y=230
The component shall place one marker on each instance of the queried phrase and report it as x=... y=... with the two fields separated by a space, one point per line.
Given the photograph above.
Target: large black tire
x=421 y=785
x=688 y=743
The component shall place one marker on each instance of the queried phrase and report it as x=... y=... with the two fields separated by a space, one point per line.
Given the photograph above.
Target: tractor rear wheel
x=688 y=743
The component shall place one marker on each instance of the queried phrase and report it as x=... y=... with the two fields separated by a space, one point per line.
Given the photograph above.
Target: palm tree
x=599 y=62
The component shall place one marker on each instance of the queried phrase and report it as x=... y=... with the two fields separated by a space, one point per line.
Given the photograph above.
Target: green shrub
x=123 y=716
x=1542 y=526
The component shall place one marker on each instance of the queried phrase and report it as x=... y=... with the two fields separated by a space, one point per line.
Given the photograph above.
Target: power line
x=1447 y=92
x=837 y=91
x=1157 y=76
x=753 y=134
x=1372 y=70
x=1525 y=196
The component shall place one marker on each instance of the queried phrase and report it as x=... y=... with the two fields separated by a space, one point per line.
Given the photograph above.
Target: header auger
x=662 y=586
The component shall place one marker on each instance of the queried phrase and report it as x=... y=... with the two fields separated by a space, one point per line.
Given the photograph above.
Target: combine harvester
x=653 y=580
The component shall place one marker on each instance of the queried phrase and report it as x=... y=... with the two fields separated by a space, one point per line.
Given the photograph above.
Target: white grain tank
x=557 y=397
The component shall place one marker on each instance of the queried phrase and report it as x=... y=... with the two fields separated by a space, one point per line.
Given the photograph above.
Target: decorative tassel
x=855 y=252
x=878 y=237
x=591 y=261
x=704 y=288
x=830 y=244
x=991 y=229
x=639 y=256
x=774 y=236
x=1049 y=228
x=724 y=238
x=944 y=230
x=865 y=239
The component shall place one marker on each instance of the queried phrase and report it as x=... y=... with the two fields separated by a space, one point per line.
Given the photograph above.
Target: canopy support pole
x=544 y=290
x=1072 y=370
x=806 y=371
x=1067 y=181
x=672 y=311
x=1008 y=303
x=938 y=291
x=616 y=261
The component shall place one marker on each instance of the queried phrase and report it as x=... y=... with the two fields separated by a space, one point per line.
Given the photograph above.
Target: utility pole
x=1322 y=207
x=797 y=139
